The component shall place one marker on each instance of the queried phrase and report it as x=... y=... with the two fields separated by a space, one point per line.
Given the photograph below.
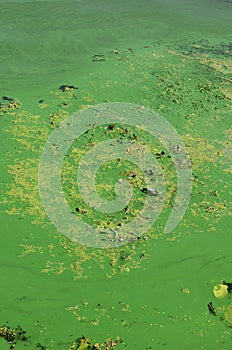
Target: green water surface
x=173 y=57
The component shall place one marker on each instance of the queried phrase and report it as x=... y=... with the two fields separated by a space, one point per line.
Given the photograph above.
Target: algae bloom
x=228 y=313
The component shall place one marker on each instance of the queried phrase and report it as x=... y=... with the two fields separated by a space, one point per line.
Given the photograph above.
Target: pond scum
x=18 y=335
x=189 y=86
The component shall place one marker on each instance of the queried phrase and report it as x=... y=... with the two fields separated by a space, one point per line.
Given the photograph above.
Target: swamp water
x=173 y=57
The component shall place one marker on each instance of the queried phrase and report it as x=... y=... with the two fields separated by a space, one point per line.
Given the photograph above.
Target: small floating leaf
x=220 y=290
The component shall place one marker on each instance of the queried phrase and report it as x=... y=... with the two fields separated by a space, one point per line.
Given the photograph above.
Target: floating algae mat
x=153 y=291
x=228 y=313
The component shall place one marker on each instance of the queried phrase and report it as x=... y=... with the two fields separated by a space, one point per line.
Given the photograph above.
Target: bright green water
x=57 y=290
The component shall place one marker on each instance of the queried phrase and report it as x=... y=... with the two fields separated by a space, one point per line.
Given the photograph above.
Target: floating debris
x=204 y=47
x=9 y=99
x=111 y=126
x=108 y=344
x=220 y=291
x=98 y=58
x=150 y=191
x=12 y=336
x=115 y=51
x=84 y=343
x=40 y=346
x=211 y=309
x=185 y=290
x=229 y=286
x=80 y=344
x=65 y=88
x=12 y=104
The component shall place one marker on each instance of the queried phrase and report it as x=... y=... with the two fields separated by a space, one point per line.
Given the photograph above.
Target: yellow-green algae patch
x=170 y=82
x=228 y=314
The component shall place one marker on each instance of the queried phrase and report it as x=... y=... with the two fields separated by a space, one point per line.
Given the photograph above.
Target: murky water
x=173 y=57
